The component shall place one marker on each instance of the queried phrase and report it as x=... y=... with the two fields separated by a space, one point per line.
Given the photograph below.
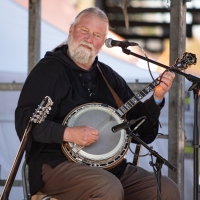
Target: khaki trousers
x=72 y=181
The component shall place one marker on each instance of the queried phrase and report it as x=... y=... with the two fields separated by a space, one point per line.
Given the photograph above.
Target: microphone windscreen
x=108 y=42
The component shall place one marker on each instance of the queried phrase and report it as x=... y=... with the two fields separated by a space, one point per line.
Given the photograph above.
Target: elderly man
x=71 y=76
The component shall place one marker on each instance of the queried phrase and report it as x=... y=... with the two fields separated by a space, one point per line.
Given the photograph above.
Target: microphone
x=111 y=43
x=125 y=125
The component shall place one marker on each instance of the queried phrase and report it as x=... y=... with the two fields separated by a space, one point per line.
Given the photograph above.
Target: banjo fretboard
x=180 y=64
x=136 y=98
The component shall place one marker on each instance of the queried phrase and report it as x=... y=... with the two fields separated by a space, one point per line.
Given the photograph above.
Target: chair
x=25 y=184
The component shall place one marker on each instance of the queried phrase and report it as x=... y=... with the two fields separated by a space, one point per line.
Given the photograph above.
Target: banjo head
x=110 y=147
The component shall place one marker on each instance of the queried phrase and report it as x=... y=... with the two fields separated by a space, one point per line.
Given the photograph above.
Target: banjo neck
x=136 y=98
x=180 y=64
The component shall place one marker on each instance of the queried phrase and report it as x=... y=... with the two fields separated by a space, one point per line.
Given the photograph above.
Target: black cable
x=138 y=154
x=155 y=172
x=150 y=69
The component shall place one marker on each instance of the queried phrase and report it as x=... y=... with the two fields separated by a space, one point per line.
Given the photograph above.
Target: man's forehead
x=93 y=21
x=90 y=17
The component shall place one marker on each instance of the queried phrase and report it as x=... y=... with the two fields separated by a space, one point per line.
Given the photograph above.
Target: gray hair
x=92 y=10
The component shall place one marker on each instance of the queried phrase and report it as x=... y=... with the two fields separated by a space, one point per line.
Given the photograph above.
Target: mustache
x=87 y=44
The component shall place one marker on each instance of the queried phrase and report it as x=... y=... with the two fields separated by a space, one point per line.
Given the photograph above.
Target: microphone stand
x=158 y=164
x=159 y=159
x=196 y=89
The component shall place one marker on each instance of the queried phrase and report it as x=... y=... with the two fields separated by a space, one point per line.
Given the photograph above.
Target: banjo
x=111 y=148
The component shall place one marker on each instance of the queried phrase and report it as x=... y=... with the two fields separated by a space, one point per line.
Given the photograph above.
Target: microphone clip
x=126 y=125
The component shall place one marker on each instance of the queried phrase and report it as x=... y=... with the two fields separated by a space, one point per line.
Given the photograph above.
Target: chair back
x=25 y=182
x=26 y=186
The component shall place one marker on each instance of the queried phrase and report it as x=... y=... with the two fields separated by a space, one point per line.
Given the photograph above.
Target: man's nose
x=89 y=38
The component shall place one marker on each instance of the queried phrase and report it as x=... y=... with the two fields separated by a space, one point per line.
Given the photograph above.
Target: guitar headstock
x=42 y=111
x=184 y=62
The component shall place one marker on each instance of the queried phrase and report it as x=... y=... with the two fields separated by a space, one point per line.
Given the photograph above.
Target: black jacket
x=58 y=77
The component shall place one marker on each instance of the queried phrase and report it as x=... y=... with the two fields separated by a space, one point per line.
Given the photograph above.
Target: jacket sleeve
x=149 y=129
x=40 y=83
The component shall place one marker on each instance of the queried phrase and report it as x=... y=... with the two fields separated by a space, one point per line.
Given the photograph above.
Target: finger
x=87 y=144
x=169 y=75
x=164 y=85
x=172 y=74
x=95 y=133
x=93 y=138
x=90 y=142
x=167 y=79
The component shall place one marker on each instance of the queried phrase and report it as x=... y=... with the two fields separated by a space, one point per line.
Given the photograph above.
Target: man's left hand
x=164 y=86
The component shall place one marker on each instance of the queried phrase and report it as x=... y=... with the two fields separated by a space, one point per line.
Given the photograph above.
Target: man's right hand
x=81 y=135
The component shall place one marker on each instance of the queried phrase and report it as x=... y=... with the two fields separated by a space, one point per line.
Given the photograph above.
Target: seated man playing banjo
x=74 y=154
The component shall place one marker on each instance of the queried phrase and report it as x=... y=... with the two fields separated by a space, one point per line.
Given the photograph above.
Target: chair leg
x=136 y=159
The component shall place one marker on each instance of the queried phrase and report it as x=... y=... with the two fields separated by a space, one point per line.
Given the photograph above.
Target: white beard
x=80 y=53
